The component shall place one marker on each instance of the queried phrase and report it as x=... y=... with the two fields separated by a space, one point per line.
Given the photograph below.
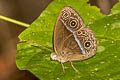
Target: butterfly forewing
x=60 y=34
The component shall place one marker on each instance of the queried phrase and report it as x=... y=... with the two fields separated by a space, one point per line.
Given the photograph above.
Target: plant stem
x=14 y=21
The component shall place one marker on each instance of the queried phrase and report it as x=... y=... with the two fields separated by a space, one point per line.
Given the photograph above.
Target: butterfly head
x=61 y=57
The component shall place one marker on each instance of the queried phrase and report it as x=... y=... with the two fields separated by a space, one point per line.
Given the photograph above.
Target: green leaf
x=35 y=54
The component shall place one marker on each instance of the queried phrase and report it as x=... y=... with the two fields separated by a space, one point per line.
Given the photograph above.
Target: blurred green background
x=105 y=65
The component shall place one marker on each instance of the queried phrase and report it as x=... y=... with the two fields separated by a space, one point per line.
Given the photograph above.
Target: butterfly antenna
x=63 y=67
x=44 y=47
x=36 y=44
x=73 y=66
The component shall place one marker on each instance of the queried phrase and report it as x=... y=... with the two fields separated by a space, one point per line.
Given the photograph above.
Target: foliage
x=35 y=54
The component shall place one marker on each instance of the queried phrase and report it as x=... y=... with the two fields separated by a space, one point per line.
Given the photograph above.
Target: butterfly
x=73 y=41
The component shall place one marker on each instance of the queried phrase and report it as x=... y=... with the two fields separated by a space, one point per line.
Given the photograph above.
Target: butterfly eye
x=66 y=15
x=53 y=56
x=87 y=44
x=73 y=23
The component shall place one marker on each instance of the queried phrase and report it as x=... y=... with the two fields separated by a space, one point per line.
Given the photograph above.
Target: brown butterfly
x=73 y=41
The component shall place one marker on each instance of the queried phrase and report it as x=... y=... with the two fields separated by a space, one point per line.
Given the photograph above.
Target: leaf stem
x=14 y=21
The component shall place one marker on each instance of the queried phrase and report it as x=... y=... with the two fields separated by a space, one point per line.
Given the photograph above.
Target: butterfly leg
x=63 y=67
x=73 y=66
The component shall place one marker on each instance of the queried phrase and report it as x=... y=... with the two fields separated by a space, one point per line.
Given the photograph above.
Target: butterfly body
x=73 y=41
